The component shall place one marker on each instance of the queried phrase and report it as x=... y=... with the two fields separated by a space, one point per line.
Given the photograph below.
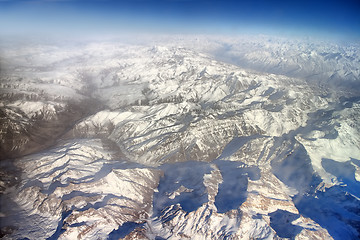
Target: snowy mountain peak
x=111 y=140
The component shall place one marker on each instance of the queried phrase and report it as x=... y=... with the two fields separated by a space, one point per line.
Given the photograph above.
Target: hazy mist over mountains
x=179 y=119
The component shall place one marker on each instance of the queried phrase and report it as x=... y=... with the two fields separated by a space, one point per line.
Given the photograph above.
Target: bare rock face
x=113 y=141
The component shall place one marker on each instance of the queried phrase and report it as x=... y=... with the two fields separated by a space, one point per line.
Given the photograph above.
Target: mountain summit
x=181 y=139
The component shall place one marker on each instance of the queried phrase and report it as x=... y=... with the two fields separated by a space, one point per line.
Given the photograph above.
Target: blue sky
x=110 y=17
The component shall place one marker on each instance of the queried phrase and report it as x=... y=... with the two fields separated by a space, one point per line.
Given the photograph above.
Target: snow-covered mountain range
x=181 y=138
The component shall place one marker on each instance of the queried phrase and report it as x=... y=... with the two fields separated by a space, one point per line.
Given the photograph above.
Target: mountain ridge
x=166 y=142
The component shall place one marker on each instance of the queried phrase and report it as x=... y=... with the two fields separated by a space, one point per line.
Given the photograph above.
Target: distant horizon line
x=138 y=37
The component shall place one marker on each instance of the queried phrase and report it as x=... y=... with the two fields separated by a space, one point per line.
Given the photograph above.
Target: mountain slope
x=116 y=141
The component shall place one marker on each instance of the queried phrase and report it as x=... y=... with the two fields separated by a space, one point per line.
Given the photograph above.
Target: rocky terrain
x=180 y=140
